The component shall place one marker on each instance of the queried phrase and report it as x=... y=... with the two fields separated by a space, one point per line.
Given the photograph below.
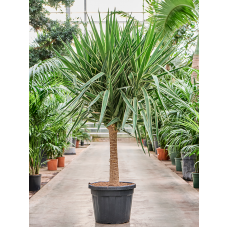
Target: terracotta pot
x=61 y=161
x=52 y=164
x=77 y=143
x=162 y=154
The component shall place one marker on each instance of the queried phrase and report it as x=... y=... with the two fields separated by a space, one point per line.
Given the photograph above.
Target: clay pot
x=162 y=154
x=52 y=164
x=61 y=161
x=77 y=143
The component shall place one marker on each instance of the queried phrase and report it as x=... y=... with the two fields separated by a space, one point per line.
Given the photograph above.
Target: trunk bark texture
x=114 y=170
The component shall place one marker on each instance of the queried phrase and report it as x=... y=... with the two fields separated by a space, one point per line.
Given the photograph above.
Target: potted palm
x=162 y=152
x=111 y=75
x=34 y=167
x=53 y=149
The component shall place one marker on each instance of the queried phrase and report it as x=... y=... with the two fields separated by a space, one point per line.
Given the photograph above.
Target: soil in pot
x=52 y=164
x=178 y=164
x=34 y=182
x=162 y=154
x=61 y=161
x=112 y=205
x=77 y=143
x=195 y=177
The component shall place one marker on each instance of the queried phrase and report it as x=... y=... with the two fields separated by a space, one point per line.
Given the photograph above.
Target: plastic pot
x=112 y=205
x=178 y=164
x=144 y=142
x=195 y=177
x=82 y=142
x=188 y=166
x=52 y=164
x=77 y=143
x=34 y=182
x=172 y=156
x=61 y=161
x=162 y=154
x=150 y=147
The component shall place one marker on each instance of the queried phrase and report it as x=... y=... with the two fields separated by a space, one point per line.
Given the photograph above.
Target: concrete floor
x=161 y=198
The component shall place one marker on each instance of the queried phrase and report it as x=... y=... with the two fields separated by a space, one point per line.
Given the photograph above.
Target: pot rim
x=36 y=175
x=195 y=173
x=111 y=188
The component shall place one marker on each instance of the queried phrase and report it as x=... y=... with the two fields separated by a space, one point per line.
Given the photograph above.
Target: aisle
x=161 y=198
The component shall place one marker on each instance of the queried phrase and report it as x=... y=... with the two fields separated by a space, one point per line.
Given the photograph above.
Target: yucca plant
x=110 y=73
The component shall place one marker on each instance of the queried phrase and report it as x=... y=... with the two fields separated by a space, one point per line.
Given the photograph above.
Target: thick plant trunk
x=114 y=170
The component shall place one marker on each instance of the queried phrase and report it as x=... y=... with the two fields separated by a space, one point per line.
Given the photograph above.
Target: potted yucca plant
x=110 y=75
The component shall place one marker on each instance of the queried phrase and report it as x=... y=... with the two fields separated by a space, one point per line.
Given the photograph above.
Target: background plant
x=51 y=32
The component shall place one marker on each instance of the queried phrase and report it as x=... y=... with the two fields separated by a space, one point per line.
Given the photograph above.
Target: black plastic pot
x=150 y=147
x=82 y=143
x=112 y=205
x=34 y=182
x=144 y=142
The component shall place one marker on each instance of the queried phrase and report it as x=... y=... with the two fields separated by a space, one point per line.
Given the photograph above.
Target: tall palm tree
x=110 y=73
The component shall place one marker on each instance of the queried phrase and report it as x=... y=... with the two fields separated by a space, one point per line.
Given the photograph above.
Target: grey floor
x=161 y=198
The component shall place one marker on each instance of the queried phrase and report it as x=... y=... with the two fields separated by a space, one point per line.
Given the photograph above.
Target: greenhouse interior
x=114 y=113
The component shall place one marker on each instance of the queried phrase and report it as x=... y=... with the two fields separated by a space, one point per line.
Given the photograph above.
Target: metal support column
x=85 y=13
x=67 y=12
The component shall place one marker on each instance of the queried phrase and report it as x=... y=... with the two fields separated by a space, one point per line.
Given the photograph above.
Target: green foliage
x=46 y=98
x=181 y=124
x=178 y=17
x=52 y=31
x=112 y=73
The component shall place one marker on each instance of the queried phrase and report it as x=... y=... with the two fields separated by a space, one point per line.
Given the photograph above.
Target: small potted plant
x=173 y=151
x=161 y=151
x=84 y=136
x=195 y=175
x=52 y=151
x=34 y=167
x=178 y=161
x=61 y=159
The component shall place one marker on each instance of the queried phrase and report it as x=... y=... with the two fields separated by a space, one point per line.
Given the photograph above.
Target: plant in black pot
x=110 y=74
x=34 y=167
